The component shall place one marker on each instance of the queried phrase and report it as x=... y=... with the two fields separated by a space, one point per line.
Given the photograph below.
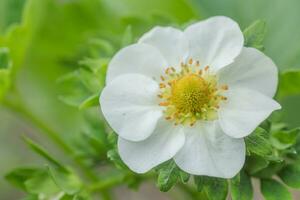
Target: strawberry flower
x=190 y=95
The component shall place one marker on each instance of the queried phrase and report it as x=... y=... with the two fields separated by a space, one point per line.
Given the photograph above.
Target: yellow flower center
x=191 y=94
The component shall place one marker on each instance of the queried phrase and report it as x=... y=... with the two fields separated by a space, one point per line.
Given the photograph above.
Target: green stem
x=25 y=114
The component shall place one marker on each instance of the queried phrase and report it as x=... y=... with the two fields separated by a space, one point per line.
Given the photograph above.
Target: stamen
x=224 y=87
x=190 y=94
x=164 y=103
x=162 y=85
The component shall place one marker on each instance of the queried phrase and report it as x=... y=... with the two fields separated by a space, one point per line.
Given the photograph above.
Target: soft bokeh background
x=53 y=35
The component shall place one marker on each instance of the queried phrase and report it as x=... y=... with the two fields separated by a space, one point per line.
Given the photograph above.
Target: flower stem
x=23 y=112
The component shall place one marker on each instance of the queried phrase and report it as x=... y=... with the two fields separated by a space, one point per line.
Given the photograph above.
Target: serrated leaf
x=215 y=188
x=184 y=177
x=258 y=143
x=42 y=152
x=254 y=35
x=67 y=181
x=168 y=176
x=273 y=190
x=241 y=189
x=270 y=170
x=255 y=164
x=114 y=156
x=290 y=175
x=284 y=139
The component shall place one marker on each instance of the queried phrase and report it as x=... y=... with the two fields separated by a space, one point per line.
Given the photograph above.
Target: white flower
x=191 y=96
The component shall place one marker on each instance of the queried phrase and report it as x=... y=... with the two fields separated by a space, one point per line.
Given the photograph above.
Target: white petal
x=161 y=146
x=244 y=110
x=171 y=42
x=215 y=41
x=137 y=58
x=209 y=151
x=129 y=104
x=253 y=70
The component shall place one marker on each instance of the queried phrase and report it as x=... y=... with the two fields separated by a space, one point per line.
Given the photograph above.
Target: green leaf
x=255 y=163
x=241 y=187
x=258 y=143
x=41 y=183
x=168 y=176
x=215 y=188
x=5 y=71
x=184 y=177
x=284 y=139
x=273 y=168
x=273 y=190
x=114 y=156
x=290 y=175
x=42 y=152
x=5 y=61
x=127 y=37
x=254 y=35
x=67 y=181
x=289 y=82
x=91 y=101
x=18 y=176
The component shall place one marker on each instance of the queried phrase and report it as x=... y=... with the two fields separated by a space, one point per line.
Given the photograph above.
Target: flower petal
x=161 y=146
x=137 y=58
x=253 y=70
x=215 y=41
x=171 y=42
x=129 y=104
x=244 y=110
x=209 y=151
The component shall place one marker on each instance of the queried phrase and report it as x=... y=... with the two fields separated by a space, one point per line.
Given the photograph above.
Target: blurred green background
x=47 y=39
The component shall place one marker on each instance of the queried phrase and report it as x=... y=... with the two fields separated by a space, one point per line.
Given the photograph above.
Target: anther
x=224 y=87
x=197 y=63
x=190 y=61
x=173 y=69
x=162 y=85
x=223 y=98
x=164 y=103
x=206 y=68
x=162 y=78
x=200 y=72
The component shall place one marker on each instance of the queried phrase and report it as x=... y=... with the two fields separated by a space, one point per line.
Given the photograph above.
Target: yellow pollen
x=190 y=94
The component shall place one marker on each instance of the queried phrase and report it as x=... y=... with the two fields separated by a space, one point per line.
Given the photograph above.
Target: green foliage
x=284 y=139
x=254 y=35
x=215 y=188
x=289 y=82
x=290 y=175
x=5 y=71
x=169 y=174
x=114 y=156
x=78 y=39
x=241 y=187
x=42 y=152
x=273 y=190
x=257 y=143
